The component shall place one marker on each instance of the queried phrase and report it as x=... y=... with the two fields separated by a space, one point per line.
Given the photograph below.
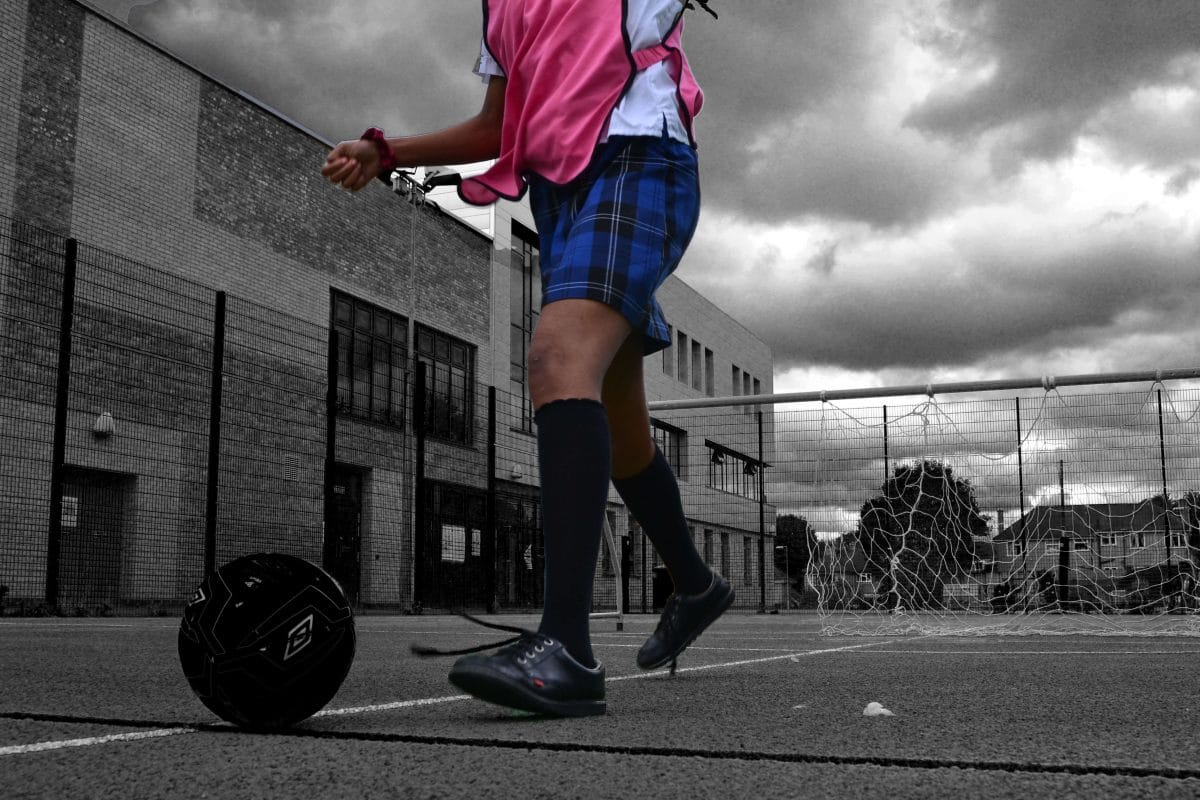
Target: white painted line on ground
x=38 y=747
x=794 y=655
x=1039 y=652
x=426 y=701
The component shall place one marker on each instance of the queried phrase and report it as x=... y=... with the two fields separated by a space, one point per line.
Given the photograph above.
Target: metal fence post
x=489 y=511
x=331 y=406
x=419 y=490
x=62 y=395
x=762 y=522
x=212 y=493
x=1162 y=460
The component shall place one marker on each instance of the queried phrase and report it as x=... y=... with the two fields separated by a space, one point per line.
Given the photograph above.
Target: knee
x=544 y=362
x=553 y=375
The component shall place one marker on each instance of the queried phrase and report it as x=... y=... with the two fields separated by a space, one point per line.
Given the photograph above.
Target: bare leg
x=573 y=345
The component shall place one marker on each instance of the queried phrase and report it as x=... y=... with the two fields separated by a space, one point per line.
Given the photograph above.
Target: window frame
x=459 y=379
x=354 y=340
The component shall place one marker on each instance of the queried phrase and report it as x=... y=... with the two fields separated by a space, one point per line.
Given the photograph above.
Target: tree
x=1191 y=521
x=795 y=535
x=919 y=531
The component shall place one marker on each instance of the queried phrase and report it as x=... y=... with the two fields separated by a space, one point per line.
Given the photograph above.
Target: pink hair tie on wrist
x=387 y=156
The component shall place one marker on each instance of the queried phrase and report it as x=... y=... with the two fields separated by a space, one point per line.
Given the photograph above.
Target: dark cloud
x=987 y=305
x=1182 y=180
x=1054 y=67
x=864 y=123
x=788 y=134
x=335 y=68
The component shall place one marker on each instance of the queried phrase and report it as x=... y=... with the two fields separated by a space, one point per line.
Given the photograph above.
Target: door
x=93 y=520
x=343 y=530
x=455 y=568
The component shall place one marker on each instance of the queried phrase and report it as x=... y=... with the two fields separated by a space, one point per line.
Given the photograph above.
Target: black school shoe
x=684 y=618
x=530 y=672
x=534 y=673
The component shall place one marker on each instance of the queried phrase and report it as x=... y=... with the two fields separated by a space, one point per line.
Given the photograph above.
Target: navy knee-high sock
x=574 y=459
x=652 y=496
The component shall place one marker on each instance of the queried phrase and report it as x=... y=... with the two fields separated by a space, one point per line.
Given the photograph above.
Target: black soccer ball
x=267 y=640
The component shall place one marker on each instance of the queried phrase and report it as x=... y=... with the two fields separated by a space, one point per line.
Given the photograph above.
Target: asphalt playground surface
x=762 y=706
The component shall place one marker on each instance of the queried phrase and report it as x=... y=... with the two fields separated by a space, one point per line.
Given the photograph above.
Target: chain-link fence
x=155 y=428
x=1013 y=500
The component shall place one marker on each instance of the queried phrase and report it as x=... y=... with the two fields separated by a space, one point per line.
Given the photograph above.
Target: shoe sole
x=709 y=620
x=484 y=685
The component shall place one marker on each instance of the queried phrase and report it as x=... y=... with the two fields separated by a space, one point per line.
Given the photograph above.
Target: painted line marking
x=89 y=741
x=426 y=701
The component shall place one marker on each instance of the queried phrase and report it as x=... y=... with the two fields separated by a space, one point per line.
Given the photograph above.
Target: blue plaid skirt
x=616 y=232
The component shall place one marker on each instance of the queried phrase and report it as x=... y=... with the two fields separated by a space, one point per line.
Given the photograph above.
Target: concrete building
x=199 y=224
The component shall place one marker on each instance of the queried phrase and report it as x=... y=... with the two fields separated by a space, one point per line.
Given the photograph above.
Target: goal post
x=1033 y=506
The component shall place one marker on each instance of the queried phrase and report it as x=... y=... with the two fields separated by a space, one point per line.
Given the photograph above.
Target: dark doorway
x=343 y=532
x=454 y=570
x=520 y=549
x=93 y=524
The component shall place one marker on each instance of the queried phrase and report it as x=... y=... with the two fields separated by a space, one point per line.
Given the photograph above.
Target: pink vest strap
x=567 y=67
x=650 y=56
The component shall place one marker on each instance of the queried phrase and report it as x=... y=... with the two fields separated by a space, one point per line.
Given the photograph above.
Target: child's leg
x=572 y=348
x=643 y=477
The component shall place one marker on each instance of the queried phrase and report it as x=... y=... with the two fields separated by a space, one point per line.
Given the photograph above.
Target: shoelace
x=670 y=612
x=523 y=634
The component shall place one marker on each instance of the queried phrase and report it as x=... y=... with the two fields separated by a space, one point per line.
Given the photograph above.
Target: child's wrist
x=387 y=156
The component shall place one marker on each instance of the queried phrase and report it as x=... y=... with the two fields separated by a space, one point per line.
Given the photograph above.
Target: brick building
x=200 y=225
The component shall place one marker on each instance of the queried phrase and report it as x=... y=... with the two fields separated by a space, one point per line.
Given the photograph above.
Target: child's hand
x=352 y=164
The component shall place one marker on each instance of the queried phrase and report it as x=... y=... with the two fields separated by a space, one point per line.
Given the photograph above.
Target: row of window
x=693 y=364
x=1136 y=540
x=705 y=542
x=728 y=470
x=373 y=375
x=373 y=369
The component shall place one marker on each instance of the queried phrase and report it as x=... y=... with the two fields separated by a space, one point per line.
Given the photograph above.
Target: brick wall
x=106 y=138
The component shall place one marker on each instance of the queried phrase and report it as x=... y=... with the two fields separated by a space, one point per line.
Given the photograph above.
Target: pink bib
x=568 y=63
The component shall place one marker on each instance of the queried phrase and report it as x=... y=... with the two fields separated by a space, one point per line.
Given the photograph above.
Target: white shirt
x=652 y=97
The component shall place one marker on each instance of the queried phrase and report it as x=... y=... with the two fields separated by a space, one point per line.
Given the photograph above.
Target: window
x=710 y=383
x=708 y=547
x=1080 y=544
x=697 y=367
x=372 y=355
x=1175 y=540
x=681 y=352
x=525 y=300
x=1052 y=548
x=724 y=553
x=736 y=380
x=730 y=471
x=449 y=384
x=668 y=356
x=672 y=442
x=757 y=386
x=1108 y=540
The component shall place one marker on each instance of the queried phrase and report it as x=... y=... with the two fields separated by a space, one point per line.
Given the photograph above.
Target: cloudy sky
x=895 y=191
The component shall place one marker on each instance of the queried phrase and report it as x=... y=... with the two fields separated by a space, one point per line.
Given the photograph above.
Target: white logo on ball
x=299 y=637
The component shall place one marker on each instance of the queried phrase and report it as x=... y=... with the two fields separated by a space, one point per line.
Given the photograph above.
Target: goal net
x=1036 y=512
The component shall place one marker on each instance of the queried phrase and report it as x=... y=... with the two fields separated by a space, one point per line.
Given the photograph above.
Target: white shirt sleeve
x=486 y=66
